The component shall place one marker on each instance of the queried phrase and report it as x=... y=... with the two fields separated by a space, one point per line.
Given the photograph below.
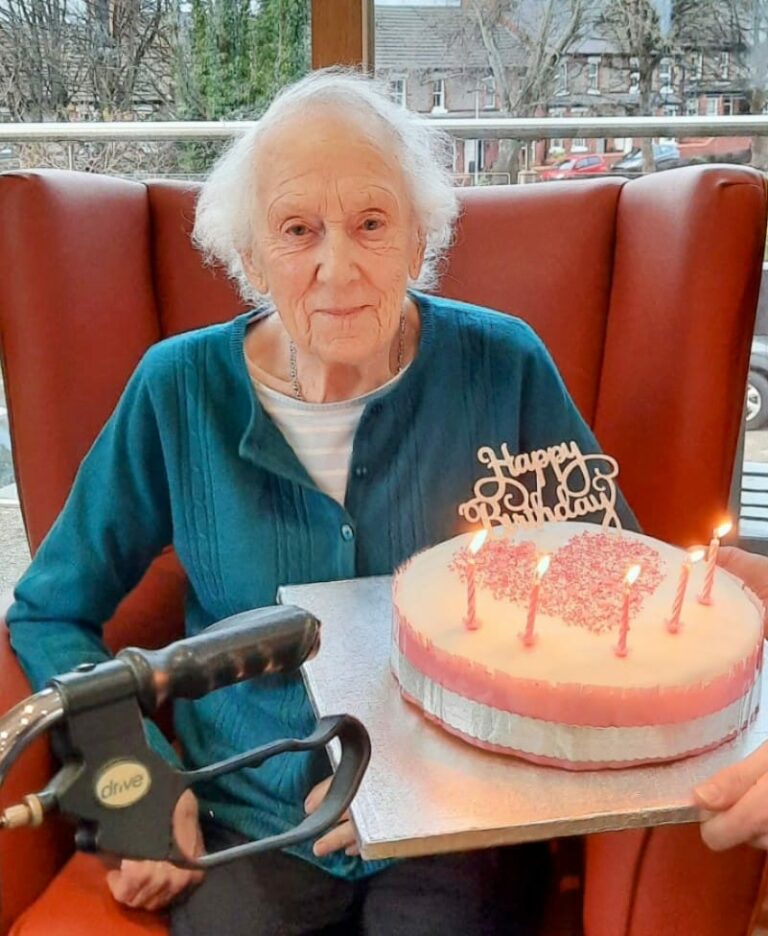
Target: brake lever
x=117 y=790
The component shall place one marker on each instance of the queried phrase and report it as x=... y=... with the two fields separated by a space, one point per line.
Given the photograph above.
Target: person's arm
x=116 y=519
x=550 y=417
x=735 y=801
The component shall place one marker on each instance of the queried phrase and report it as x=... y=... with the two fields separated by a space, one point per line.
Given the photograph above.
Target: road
x=756 y=446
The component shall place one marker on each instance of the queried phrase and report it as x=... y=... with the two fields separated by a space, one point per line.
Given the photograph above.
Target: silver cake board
x=427 y=792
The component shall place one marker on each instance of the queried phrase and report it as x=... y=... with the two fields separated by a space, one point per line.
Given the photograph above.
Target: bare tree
x=646 y=32
x=543 y=33
x=748 y=20
x=100 y=59
x=38 y=77
x=128 y=48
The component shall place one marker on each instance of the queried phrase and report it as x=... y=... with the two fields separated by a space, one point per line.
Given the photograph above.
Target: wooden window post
x=342 y=33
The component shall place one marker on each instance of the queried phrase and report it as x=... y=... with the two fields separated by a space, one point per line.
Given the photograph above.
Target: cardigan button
x=347 y=533
x=360 y=471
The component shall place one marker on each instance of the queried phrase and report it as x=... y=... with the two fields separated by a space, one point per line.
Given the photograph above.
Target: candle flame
x=696 y=553
x=723 y=529
x=477 y=541
x=632 y=574
x=543 y=565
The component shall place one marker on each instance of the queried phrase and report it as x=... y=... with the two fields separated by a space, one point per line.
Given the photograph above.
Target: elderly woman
x=329 y=434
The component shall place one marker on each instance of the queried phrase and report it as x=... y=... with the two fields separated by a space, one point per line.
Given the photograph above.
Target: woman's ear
x=253 y=271
x=417 y=259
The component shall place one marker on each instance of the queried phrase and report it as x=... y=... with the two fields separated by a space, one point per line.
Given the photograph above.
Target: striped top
x=321 y=434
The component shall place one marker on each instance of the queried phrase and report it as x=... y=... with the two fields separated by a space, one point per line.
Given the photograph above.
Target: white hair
x=223 y=221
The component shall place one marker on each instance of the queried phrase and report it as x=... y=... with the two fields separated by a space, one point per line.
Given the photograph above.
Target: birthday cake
x=617 y=650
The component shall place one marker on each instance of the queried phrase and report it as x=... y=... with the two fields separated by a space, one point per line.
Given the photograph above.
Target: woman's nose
x=336 y=261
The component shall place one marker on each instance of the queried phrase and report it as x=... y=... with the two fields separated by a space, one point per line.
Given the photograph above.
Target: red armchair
x=645 y=292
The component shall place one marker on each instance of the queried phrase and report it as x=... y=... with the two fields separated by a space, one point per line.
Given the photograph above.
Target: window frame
x=400 y=97
x=666 y=76
x=489 y=92
x=438 y=94
x=342 y=33
x=593 y=77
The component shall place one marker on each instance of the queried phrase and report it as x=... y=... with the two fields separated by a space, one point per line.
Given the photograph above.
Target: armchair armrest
x=29 y=858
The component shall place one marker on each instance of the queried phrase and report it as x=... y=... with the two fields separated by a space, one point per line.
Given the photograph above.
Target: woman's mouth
x=342 y=312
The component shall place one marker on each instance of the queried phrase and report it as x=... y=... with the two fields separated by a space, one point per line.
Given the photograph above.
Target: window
x=733 y=105
x=593 y=74
x=561 y=85
x=489 y=86
x=475 y=155
x=669 y=110
x=665 y=76
x=634 y=76
x=556 y=145
x=579 y=144
x=438 y=95
x=713 y=106
x=697 y=65
x=397 y=91
x=691 y=107
x=482 y=154
x=724 y=65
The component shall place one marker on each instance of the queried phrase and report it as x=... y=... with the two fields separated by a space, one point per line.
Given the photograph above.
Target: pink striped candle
x=629 y=580
x=470 y=621
x=694 y=555
x=529 y=638
x=705 y=596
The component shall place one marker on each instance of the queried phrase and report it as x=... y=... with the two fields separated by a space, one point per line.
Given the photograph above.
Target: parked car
x=757 y=384
x=575 y=167
x=665 y=156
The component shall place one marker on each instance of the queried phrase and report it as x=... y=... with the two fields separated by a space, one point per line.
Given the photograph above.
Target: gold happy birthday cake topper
x=581 y=485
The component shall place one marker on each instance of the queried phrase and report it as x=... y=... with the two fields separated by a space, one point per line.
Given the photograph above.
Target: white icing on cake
x=486 y=685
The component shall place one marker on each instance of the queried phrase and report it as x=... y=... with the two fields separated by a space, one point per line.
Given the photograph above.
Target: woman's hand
x=735 y=804
x=342 y=836
x=152 y=885
x=749 y=567
x=735 y=801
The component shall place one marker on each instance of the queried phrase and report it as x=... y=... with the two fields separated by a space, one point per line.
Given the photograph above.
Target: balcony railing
x=487 y=128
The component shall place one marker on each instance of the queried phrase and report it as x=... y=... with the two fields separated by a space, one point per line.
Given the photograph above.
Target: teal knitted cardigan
x=189 y=458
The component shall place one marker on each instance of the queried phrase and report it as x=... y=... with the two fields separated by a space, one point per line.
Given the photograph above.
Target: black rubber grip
x=266 y=640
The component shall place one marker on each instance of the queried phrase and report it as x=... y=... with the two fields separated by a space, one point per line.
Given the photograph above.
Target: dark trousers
x=275 y=894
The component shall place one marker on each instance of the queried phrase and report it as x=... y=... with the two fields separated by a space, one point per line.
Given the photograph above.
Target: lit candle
x=629 y=580
x=529 y=638
x=470 y=621
x=709 y=576
x=694 y=555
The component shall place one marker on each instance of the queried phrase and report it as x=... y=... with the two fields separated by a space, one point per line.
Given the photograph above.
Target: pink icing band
x=597 y=706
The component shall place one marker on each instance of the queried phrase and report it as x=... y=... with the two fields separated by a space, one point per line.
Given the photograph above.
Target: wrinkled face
x=334 y=237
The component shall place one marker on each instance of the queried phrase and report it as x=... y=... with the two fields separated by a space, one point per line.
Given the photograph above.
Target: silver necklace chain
x=294 y=371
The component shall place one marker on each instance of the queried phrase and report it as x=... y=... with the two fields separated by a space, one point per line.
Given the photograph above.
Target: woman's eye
x=297 y=230
x=372 y=224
